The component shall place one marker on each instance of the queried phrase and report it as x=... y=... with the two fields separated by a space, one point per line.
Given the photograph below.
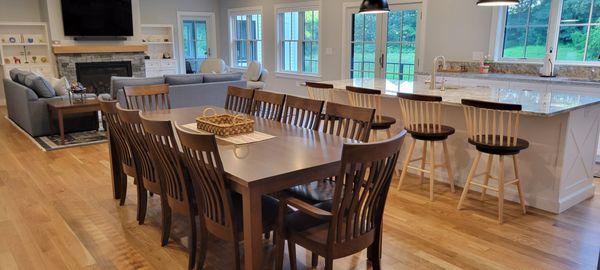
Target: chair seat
x=307 y=229
x=429 y=135
x=497 y=149
x=314 y=192
x=383 y=123
x=269 y=212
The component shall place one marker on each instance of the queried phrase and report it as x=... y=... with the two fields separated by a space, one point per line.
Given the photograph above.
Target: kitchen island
x=562 y=127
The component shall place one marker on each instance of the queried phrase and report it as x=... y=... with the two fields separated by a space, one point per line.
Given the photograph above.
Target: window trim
x=498 y=32
x=247 y=11
x=297 y=7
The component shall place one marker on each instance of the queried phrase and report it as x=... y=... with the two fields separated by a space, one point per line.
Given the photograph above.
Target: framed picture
x=11 y=38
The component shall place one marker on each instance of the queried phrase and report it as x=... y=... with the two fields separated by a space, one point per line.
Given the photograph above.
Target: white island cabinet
x=562 y=127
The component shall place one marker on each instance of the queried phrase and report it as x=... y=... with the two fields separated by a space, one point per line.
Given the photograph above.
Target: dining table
x=293 y=156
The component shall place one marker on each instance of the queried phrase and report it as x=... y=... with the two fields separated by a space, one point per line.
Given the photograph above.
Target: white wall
x=454 y=28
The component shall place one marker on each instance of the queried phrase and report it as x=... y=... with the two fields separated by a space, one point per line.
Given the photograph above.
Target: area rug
x=76 y=139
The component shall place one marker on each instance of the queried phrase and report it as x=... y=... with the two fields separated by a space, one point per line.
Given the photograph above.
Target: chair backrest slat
x=320 y=91
x=268 y=105
x=116 y=131
x=365 y=98
x=348 y=121
x=421 y=113
x=302 y=112
x=501 y=130
x=239 y=99
x=147 y=97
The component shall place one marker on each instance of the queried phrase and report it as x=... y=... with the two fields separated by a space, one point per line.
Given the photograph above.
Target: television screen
x=97 y=18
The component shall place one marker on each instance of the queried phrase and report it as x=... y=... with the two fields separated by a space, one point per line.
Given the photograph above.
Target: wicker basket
x=224 y=124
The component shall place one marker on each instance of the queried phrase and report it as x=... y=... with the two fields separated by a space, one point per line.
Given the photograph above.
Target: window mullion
x=589 y=28
x=300 y=48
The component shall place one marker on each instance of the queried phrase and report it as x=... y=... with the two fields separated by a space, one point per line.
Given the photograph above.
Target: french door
x=197 y=39
x=384 y=45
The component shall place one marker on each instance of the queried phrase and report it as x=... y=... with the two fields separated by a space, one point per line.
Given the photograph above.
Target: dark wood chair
x=177 y=186
x=352 y=221
x=147 y=172
x=493 y=128
x=239 y=99
x=124 y=153
x=371 y=98
x=220 y=207
x=340 y=120
x=268 y=105
x=148 y=97
x=422 y=117
x=302 y=112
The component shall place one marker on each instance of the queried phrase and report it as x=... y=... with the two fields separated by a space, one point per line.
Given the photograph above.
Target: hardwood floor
x=56 y=212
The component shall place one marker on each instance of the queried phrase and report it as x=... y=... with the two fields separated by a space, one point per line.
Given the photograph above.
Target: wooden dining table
x=294 y=156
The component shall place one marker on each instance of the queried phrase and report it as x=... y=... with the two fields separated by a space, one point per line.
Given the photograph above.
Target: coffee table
x=60 y=108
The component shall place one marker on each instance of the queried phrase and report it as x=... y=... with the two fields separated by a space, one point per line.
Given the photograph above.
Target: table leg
x=61 y=126
x=253 y=230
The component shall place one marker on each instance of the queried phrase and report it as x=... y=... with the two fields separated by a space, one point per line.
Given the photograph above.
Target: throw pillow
x=210 y=78
x=18 y=75
x=254 y=71
x=184 y=79
x=60 y=86
x=40 y=86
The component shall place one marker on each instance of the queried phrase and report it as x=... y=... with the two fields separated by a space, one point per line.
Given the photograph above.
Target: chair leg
x=423 y=161
x=292 y=251
x=202 y=248
x=236 y=254
x=518 y=183
x=166 y=221
x=192 y=242
x=388 y=132
x=406 y=162
x=142 y=203
x=279 y=237
x=432 y=171
x=501 y=191
x=448 y=166
x=328 y=264
x=314 y=260
x=488 y=171
x=123 y=191
x=469 y=179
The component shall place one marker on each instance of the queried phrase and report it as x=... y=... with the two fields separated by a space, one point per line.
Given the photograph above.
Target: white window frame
x=246 y=11
x=297 y=7
x=498 y=31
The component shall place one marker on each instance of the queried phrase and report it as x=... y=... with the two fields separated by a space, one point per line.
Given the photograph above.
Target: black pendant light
x=497 y=3
x=374 y=6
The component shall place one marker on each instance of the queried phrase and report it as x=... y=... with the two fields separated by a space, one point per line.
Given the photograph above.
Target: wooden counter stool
x=370 y=98
x=320 y=91
x=422 y=116
x=493 y=128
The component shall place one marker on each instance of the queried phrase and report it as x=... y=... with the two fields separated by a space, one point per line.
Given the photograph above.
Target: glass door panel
x=195 y=44
x=363 y=46
x=400 y=48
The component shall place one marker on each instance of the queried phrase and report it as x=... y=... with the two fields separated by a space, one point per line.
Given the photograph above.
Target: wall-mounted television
x=97 y=18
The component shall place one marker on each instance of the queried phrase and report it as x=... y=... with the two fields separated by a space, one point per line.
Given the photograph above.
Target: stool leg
x=448 y=167
x=501 y=191
x=518 y=183
x=423 y=161
x=469 y=179
x=488 y=170
x=388 y=132
x=406 y=162
x=432 y=171
x=375 y=135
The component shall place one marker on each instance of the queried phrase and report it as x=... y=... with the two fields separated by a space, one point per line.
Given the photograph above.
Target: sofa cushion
x=40 y=86
x=184 y=79
x=61 y=86
x=117 y=83
x=210 y=78
x=18 y=75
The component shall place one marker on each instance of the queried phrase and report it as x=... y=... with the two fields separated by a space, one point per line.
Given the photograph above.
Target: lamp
x=374 y=6
x=497 y=3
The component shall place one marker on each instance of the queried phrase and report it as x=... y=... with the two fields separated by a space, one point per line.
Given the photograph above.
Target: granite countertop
x=534 y=102
x=517 y=77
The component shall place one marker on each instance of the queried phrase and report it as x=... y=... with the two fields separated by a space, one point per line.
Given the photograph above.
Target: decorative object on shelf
x=166 y=55
x=11 y=38
x=7 y=61
x=224 y=124
x=166 y=40
x=43 y=59
x=29 y=39
x=56 y=42
x=34 y=59
x=16 y=60
x=374 y=6
x=77 y=93
x=497 y=3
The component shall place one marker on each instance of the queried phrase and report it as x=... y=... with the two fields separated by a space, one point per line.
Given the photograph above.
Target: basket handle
x=209 y=110
x=238 y=118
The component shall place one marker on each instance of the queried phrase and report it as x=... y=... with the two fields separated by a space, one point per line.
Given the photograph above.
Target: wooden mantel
x=67 y=49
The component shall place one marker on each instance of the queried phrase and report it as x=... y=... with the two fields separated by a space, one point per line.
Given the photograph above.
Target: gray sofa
x=30 y=112
x=185 y=90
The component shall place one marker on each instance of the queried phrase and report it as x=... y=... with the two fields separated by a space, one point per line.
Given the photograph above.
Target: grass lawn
x=538 y=52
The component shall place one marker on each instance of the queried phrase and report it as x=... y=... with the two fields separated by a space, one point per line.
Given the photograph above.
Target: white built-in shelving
x=25 y=45
x=161 y=50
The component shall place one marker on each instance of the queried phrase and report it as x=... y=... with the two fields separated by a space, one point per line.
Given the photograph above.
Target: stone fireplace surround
x=66 y=63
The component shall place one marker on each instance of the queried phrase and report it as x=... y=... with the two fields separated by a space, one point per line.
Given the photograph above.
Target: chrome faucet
x=432 y=84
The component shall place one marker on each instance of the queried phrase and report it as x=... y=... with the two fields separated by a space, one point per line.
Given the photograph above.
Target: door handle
x=382 y=60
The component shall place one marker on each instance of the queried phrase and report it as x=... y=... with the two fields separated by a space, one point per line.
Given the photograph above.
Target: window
x=298 y=40
x=526 y=29
x=579 y=34
x=569 y=27
x=246 y=38
x=195 y=45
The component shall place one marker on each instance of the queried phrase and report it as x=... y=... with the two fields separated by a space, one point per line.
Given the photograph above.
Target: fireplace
x=96 y=76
